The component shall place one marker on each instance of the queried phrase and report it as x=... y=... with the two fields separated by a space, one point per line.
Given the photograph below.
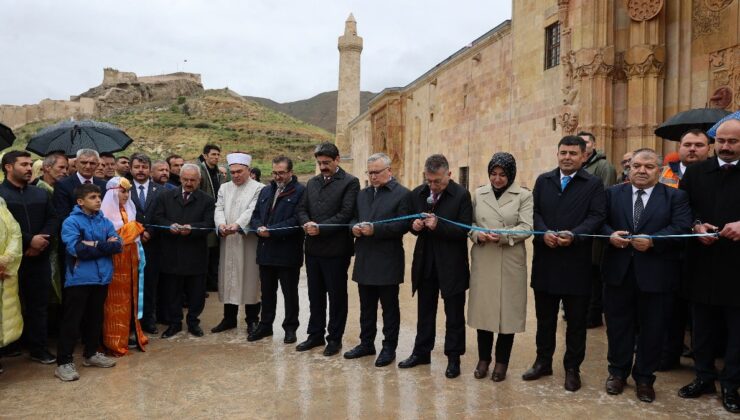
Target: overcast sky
x=285 y=50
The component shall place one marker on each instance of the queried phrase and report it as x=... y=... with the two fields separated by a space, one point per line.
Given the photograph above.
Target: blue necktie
x=564 y=182
x=142 y=196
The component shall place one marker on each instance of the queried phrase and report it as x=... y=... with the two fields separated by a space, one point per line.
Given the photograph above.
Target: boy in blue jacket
x=89 y=240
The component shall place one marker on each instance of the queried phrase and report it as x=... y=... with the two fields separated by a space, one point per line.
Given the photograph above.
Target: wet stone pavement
x=222 y=375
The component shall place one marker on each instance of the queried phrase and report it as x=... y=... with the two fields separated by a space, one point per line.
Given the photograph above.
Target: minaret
x=348 y=94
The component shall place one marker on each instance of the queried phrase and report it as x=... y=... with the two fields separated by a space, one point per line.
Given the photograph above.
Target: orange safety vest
x=669 y=178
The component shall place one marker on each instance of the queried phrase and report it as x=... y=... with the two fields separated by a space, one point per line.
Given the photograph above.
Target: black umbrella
x=6 y=136
x=71 y=136
x=702 y=118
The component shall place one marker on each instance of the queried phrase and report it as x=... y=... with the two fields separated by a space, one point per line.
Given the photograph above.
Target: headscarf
x=111 y=208
x=506 y=162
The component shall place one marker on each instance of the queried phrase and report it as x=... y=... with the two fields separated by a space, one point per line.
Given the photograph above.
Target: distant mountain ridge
x=320 y=110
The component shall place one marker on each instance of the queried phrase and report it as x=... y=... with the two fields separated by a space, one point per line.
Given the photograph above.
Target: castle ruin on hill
x=118 y=90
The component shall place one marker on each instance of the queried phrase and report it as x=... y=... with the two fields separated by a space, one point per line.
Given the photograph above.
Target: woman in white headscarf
x=121 y=327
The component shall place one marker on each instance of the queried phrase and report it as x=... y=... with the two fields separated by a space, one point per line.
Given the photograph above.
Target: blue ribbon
x=470 y=227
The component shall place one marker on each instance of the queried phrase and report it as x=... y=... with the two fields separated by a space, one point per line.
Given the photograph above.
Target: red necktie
x=185 y=195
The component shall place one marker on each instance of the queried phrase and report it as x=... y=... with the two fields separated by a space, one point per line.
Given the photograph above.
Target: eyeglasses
x=375 y=173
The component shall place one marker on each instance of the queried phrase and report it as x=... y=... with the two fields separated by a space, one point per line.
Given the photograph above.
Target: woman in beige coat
x=498 y=278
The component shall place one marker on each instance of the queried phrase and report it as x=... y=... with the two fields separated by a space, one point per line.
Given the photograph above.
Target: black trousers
x=388 y=297
x=287 y=278
x=213 y=259
x=426 y=323
x=82 y=305
x=504 y=344
x=595 y=304
x=34 y=286
x=676 y=329
x=252 y=312
x=627 y=308
x=151 y=283
x=195 y=290
x=546 y=307
x=327 y=276
x=709 y=323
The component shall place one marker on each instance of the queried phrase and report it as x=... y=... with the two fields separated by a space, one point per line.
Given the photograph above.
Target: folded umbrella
x=701 y=118
x=6 y=136
x=70 y=136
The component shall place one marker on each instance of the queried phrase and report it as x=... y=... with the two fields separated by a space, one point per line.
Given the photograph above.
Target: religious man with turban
x=238 y=272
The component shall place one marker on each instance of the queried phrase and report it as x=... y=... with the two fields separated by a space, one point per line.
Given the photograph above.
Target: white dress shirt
x=645 y=197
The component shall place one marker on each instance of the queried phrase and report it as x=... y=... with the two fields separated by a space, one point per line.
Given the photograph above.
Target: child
x=90 y=240
x=121 y=327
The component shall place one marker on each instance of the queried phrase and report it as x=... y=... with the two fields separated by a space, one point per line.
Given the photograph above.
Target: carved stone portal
x=724 y=79
x=642 y=10
x=717 y=5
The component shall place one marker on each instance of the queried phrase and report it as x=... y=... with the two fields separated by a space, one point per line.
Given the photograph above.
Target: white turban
x=239 y=158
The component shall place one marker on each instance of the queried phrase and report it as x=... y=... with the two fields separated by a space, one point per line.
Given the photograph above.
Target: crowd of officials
x=125 y=244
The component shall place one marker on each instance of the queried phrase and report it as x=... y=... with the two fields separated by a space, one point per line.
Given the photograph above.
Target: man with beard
x=123 y=167
x=109 y=165
x=712 y=283
x=161 y=174
x=32 y=209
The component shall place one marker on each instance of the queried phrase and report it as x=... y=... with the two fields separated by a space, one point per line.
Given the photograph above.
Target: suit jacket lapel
x=490 y=199
x=627 y=207
x=149 y=194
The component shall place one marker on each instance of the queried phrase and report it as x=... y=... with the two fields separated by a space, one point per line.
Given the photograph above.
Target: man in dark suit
x=712 y=280
x=379 y=258
x=641 y=273
x=440 y=263
x=568 y=201
x=184 y=250
x=144 y=196
x=279 y=251
x=32 y=209
x=330 y=198
x=63 y=199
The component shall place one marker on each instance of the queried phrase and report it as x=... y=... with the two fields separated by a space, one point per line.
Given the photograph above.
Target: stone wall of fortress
x=624 y=67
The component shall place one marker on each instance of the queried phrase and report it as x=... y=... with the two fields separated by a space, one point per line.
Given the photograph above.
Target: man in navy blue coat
x=279 y=251
x=63 y=199
x=641 y=274
x=568 y=202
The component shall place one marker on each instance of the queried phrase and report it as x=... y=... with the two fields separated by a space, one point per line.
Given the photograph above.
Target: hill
x=184 y=125
x=321 y=110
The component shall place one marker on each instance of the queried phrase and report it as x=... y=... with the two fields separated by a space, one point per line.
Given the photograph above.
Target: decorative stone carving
x=642 y=10
x=644 y=60
x=724 y=78
x=717 y=5
x=592 y=62
x=568 y=119
x=703 y=20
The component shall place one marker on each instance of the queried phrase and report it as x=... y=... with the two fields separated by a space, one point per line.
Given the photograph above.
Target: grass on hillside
x=183 y=126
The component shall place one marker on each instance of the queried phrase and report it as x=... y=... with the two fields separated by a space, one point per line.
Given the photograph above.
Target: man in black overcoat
x=712 y=281
x=330 y=199
x=379 y=258
x=184 y=257
x=641 y=274
x=440 y=263
x=568 y=201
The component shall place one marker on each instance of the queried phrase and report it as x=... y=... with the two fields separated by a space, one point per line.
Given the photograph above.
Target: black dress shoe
x=224 y=325
x=415 y=360
x=453 y=367
x=730 y=400
x=697 y=388
x=499 y=372
x=150 y=328
x=171 y=331
x=332 y=348
x=310 y=343
x=572 y=380
x=259 y=333
x=359 y=351
x=196 y=330
x=645 y=393
x=385 y=358
x=614 y=385
x=536 y=372
x=290 y=337
x=252 y=327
